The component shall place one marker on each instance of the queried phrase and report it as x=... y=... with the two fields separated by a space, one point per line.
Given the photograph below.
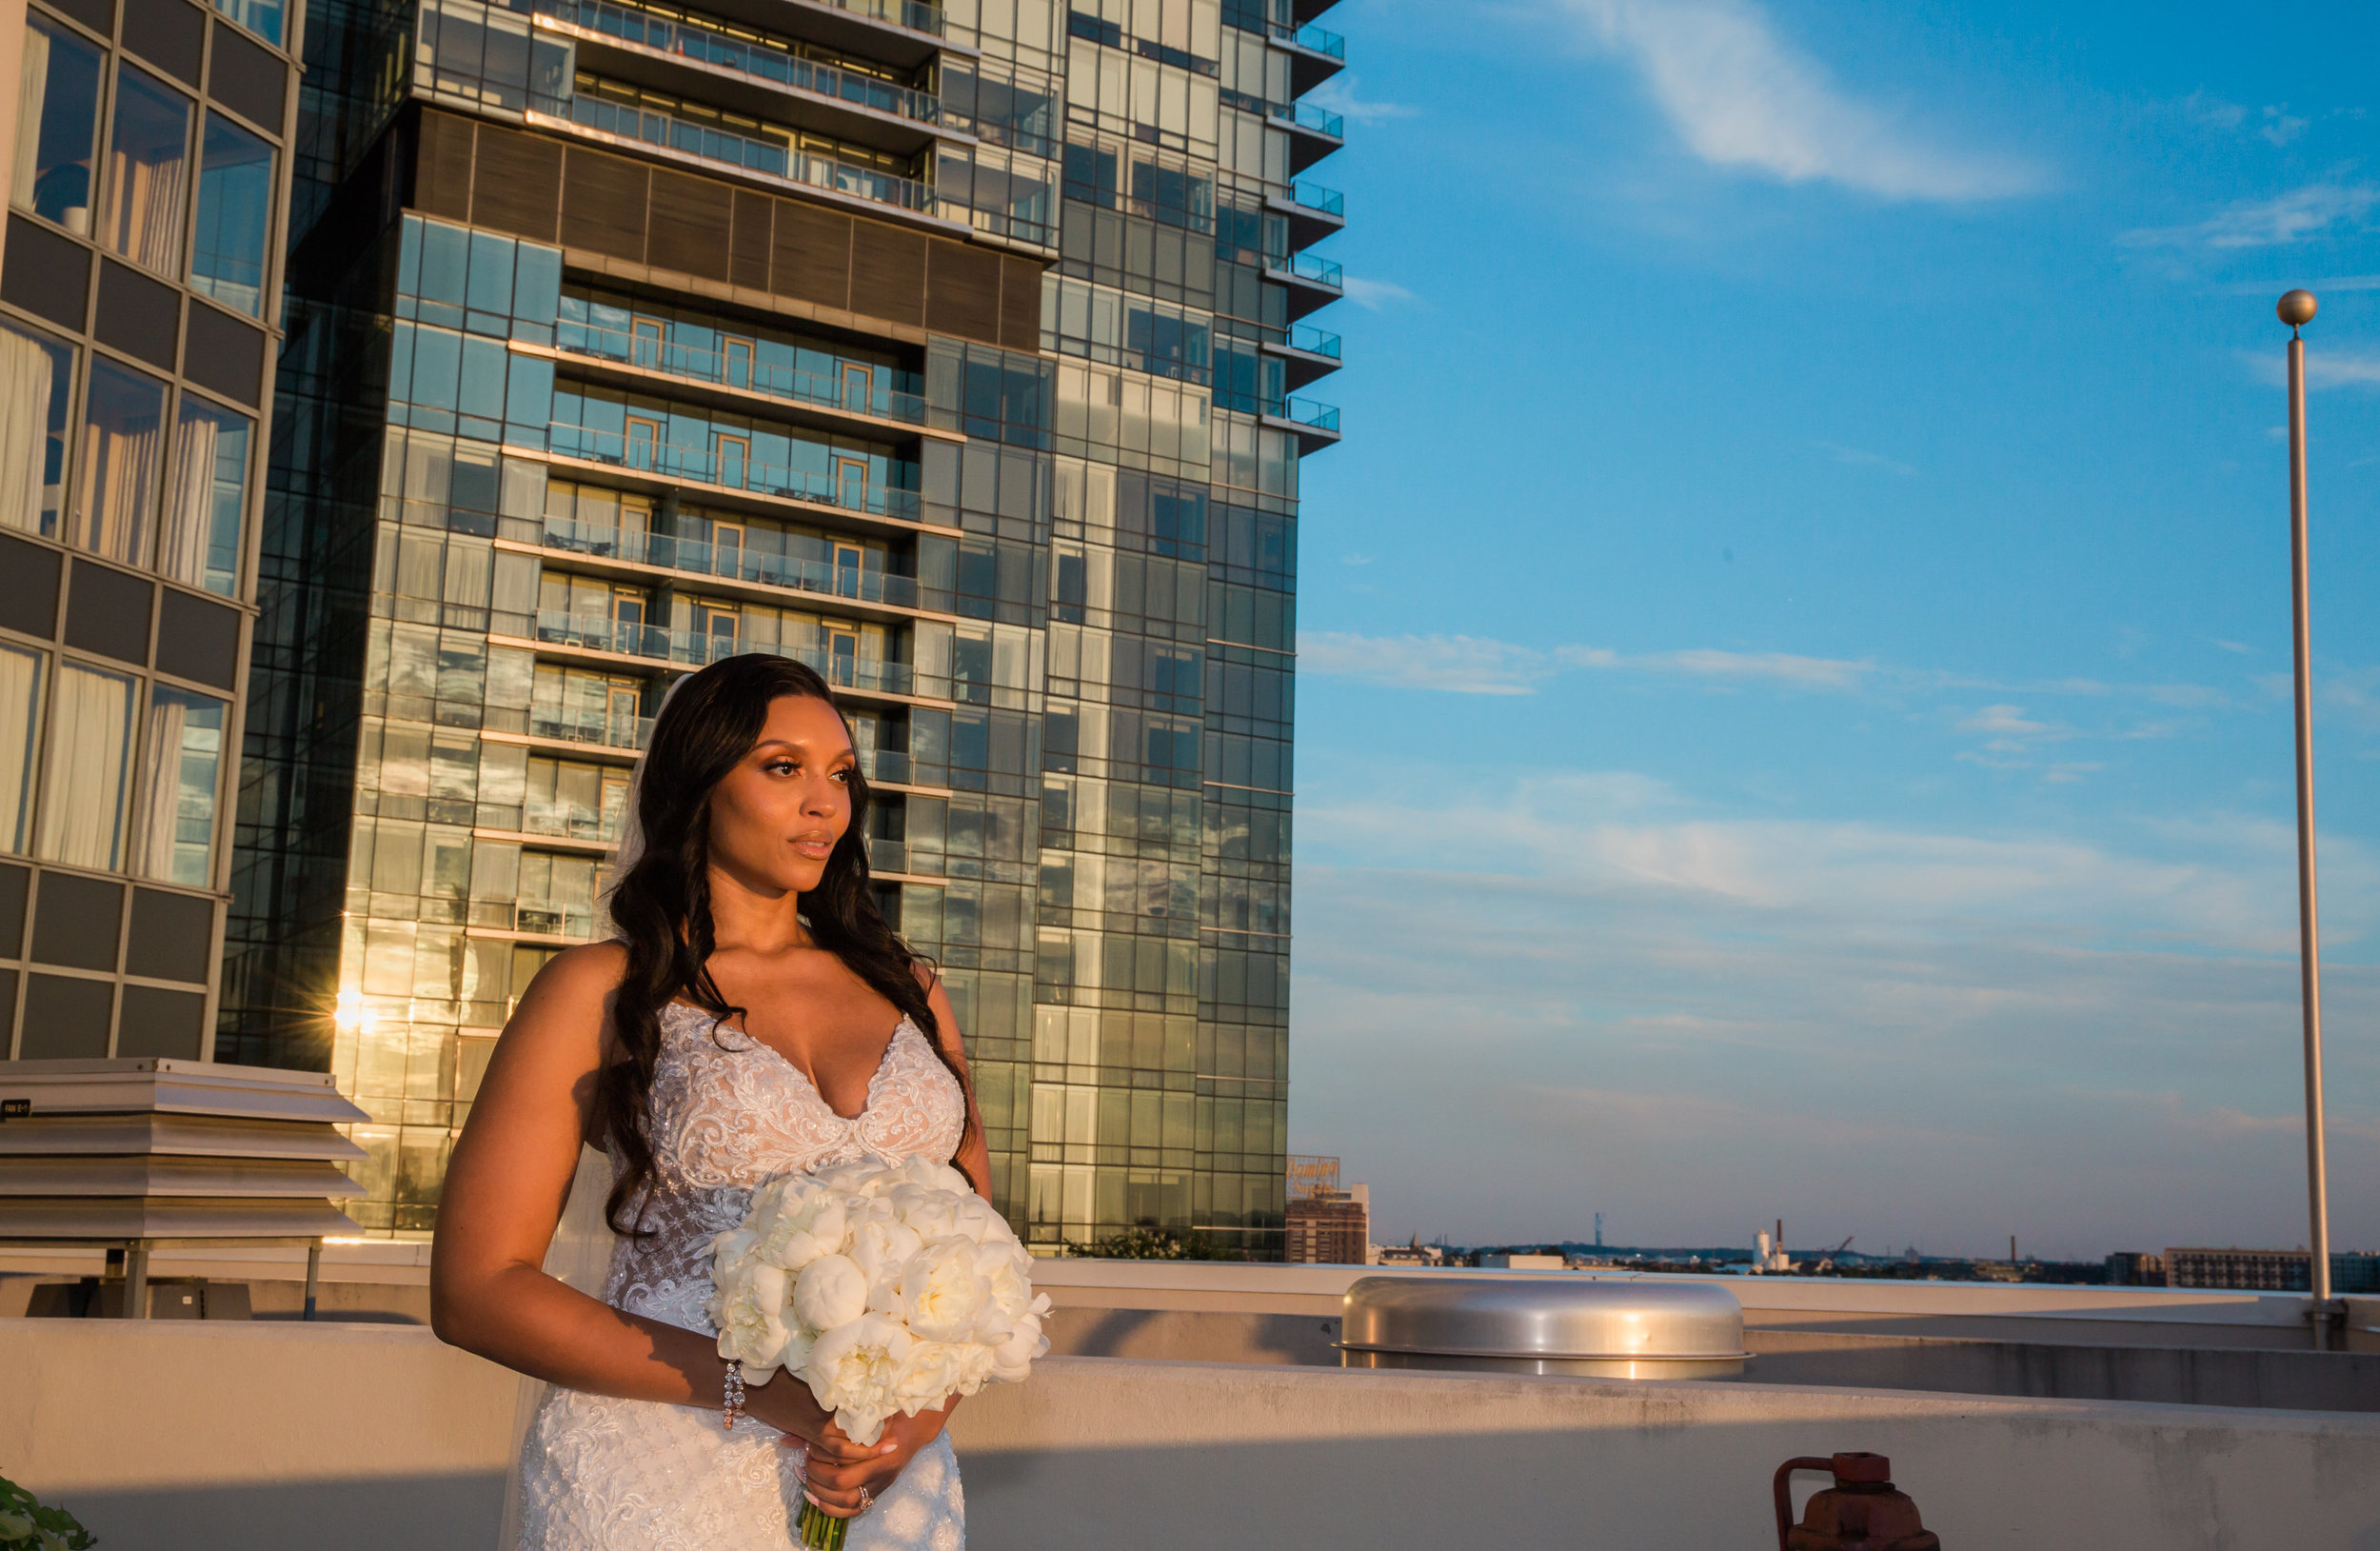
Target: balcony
x=384 y=1439
x=1315 y=425
x=842 y=402
x=1311 y=282
x=1313 y=212
x=664 y=464
x=736 y=566
x=1316 y=55
x=608 y=639
x=1308 y=353
x=723 y=148
x=1313 y=132
x=595 y=729
x=629 y=43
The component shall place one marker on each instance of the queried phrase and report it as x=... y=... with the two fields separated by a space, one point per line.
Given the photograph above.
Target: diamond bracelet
x=733 y=1401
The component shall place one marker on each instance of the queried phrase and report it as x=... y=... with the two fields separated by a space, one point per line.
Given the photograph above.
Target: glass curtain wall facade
x=146 y=183
x=623 y=338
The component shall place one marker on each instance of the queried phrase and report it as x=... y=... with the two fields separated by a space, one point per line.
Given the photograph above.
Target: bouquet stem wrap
x=885 y=1287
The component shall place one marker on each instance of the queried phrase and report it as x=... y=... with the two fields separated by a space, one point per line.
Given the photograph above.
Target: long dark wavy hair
x=661 y=908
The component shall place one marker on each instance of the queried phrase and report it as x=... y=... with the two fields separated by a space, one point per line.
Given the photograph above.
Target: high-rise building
x=949 y=349
x=1329 y=1227
x=145 y=173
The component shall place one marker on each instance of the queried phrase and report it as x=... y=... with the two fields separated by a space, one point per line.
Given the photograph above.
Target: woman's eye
x=843 y=775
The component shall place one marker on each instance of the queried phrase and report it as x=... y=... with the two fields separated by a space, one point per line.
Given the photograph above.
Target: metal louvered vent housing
x=1580 y=1326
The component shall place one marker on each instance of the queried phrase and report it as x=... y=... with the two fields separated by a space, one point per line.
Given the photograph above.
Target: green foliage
x=1153 y=1243
x=26 y=1526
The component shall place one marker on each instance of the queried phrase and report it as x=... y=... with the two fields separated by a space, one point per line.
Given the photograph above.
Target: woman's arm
x=975 y=1155
x=505 y=1191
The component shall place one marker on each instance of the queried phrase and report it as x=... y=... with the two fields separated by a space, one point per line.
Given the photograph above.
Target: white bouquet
x=884 y=1286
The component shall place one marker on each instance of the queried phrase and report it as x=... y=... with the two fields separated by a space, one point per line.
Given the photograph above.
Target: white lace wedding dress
x=599 y=1474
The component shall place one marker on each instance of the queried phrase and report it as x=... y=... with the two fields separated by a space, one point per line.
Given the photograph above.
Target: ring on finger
x=868 y=1499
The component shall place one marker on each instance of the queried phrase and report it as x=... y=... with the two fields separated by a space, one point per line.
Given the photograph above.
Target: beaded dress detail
x=729 y=1114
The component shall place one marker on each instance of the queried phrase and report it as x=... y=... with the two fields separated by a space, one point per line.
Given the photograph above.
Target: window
x=149 y=152
x=36 y=382
x=234 y=216
x=57 y=123
x=262 y=18
x=173 y=833
x=123 y=436
x=90 y=753
x=199 y=542
x=20 y=721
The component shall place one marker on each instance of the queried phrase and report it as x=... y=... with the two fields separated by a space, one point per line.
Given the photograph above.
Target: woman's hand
x=837 y=1467
x=786 y=1403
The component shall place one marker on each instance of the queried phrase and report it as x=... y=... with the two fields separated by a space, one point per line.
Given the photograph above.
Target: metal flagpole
x=2296 y=310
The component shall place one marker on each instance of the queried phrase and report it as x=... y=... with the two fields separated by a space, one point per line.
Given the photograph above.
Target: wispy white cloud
x=1603 y=995
x=2289 y=217
x=1741 y=96
x=1477 y=666
x=1338 y=95
x=1372 y=295
x=2279 y=125
x=2005 y=720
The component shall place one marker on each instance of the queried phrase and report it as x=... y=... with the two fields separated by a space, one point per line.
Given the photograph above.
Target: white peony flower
x=795 y=1220
x=1013 y=1359
x=749 y=1309
x=881 y=1246
x=974 y=1218
x=832 y=1292
x=856 y=1176
x=926 y=1173
x=939 y=1294
x=1007 y=1274
x=930 y=1213
x=851 y=1372
x=935 y=1371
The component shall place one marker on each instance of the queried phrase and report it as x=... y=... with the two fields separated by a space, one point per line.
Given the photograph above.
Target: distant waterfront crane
x=1826 y=1261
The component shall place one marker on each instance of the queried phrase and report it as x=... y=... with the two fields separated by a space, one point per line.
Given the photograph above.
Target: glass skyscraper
x=145 y=174
x=950 y=349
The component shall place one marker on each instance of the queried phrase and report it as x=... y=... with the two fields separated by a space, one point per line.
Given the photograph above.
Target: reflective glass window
x=199 y=541
x=173 y=824
x=262 y=18
x=20 y=721
x=36 y=387
x=149 y=154
x=115 y=490
x=57 y=125
x=90 y=754
x=234 y=216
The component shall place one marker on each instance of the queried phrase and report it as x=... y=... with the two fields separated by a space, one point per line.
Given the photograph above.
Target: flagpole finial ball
x=2297 y=309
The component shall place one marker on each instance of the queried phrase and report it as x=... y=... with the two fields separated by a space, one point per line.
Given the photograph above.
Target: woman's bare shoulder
x=572 y=996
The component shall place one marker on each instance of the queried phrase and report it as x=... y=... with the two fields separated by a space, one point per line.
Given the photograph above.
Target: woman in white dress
x=734 y=1029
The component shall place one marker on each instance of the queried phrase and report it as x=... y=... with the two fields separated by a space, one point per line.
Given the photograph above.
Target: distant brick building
x=1329 y=1227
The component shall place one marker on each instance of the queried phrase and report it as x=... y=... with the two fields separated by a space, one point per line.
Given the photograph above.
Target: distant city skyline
x=1794 y=653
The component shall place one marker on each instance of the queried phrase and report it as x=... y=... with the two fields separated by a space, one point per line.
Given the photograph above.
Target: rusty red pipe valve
x=1860 y=1512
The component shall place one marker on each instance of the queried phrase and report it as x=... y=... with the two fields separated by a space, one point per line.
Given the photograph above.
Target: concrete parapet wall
x=187 y=1436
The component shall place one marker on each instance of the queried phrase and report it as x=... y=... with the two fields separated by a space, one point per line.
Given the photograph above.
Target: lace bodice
x=729 y=1114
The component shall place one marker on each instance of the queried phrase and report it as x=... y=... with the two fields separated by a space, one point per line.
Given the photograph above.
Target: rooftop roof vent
x=1582 y=1327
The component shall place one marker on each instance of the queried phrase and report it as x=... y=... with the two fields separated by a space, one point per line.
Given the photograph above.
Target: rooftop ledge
x=275 y=1435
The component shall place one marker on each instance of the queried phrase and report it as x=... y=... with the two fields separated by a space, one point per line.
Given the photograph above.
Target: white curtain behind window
x=82 y=789
x=23 y=419
x=33 y=90
x=20 y=716
x=189 y=506
x=159 y=788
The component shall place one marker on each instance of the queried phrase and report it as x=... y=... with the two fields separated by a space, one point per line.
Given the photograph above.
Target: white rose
x=880 y=1247
x=938 y=1293
x=749 y=1310
x=851 y=1372
x=832 y=1291
x=934 y=1371
x=1013 y=1359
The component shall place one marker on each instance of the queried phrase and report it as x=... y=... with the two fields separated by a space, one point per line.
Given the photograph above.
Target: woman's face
x=776 y=816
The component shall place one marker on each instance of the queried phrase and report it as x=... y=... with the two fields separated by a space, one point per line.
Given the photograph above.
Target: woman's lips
x=817 y=847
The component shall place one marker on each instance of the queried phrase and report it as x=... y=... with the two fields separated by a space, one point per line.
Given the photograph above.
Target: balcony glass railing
x=723 y=145
x=1321 y=40
x=1324 y=417
x=916 y=15
x=738 y=368
x=1315 y=197
x=589 y=726
x=1321 y=272
x=1305 y=115
x=776 y=67
x=735 y=472
x=699 y=649
x=1304 y=337
x=732 y=562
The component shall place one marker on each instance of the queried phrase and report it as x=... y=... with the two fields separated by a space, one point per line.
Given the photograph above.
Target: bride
x=733 y=1031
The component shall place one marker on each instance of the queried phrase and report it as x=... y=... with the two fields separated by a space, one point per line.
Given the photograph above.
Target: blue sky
x=1793 y=707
